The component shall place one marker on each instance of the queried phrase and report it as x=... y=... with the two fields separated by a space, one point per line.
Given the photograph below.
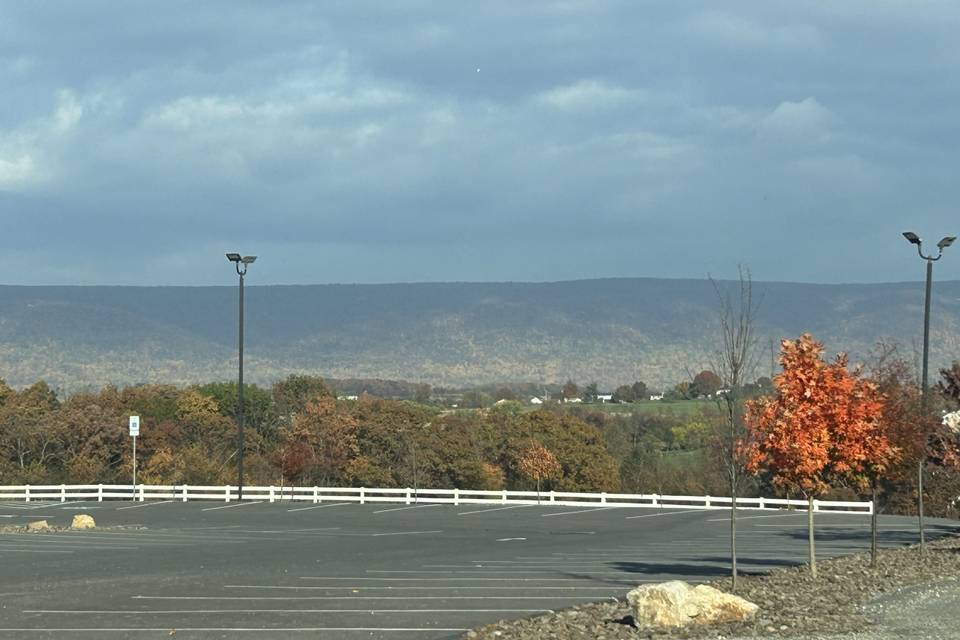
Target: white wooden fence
x=362 y=495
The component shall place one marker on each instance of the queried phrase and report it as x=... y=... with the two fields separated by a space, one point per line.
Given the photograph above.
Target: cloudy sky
x=427 y=141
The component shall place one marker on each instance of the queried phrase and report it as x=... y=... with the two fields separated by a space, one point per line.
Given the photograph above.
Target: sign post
x=134 y=432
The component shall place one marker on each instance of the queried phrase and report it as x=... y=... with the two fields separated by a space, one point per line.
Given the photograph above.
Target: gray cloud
x=370 y=142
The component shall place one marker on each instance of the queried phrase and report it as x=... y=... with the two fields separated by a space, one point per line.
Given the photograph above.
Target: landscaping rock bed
x=792 y=603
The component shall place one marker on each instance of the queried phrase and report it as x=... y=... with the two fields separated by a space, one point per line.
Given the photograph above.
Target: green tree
x=624 y=393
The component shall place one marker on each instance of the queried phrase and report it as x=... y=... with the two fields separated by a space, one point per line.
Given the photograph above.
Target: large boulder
x=677 y=604
x=38 y=525
x=82 y=521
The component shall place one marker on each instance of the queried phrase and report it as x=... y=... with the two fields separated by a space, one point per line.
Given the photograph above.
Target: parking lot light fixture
x=924 y=400
x=241 y=265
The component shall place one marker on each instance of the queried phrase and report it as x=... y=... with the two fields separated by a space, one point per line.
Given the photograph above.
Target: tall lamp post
x=943 y=244
x=241 y=263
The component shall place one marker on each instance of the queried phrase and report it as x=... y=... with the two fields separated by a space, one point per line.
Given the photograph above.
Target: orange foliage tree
x=537 y=463
x=824 y=423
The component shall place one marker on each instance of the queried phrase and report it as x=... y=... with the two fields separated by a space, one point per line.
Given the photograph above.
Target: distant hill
x=611 y=331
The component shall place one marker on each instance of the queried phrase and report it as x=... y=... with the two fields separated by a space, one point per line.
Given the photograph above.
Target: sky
x=363 y=142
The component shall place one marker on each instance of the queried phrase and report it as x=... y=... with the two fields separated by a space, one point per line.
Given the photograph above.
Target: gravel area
x=905 y=596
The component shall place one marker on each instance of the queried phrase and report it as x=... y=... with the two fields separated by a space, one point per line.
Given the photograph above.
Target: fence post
x=603 y=497
x=316 y=495
x=707 y=502
x=141 y=493
x=184 y=493
x=816 y=505
x=226 y=497
x=100 y=492
x=362 y=495
x=653 y=500
x=456 y=496
x=552 y=495
x=63 y=493
x=408 y=495
x=504 y=496
x=271 y=493
x=761 y=503
x=26 y=493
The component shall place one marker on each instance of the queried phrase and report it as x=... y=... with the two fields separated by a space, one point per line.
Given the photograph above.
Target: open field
x=261 y=570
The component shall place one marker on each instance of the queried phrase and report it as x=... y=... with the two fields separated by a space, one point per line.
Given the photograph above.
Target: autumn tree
x=824 y=423
x=570 y=390
x=705 y=383
x=537 y=463
x=328 y=438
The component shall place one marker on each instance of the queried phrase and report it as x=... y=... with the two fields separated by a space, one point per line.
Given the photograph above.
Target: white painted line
x=524 y=572
x=298 y=598
x=444 y=588
x=509 y=539
x=314 y=529
x=415 y=506
x=231 y=506
x=6 y=549
x=665 y=513
x=739 y=518
x=516 y=506
x=403 y=533
x=319 y=506
x=417 y=580
x=208 y=611
x=260 y=630
x=570 y=513
x=78 y=508
x=145 y=504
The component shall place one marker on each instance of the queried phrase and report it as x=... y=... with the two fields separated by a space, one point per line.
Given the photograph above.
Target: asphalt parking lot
x=344 y=570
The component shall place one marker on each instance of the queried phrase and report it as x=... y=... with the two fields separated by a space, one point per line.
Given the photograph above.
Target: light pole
x=943 y=244
x=241 y=264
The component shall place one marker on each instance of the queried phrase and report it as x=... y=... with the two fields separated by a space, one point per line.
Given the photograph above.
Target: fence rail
x=362 y=495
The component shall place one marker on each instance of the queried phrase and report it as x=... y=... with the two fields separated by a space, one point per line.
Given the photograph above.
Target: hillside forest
x=299 y=433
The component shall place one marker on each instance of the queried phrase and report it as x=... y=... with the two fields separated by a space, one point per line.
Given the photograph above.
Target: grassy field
x=678 y=408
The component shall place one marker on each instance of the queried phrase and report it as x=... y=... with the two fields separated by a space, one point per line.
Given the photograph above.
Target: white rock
x=677 y=604
x=82 y=521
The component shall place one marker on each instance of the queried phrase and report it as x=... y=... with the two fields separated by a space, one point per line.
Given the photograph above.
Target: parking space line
x=319 y=506
x=231 y=506
x=415 y=506
x=402 y=533
x=516 y=506
x=138 y=612
x=145 y=504
x=310 y=598
x=259 y=630
x=665 y=513
x=570 y=513
x=414 y=579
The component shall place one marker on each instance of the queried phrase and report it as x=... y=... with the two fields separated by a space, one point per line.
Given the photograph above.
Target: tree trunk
x=873 y=528
x=920 y=505
x=733 y=537
x=811 y=549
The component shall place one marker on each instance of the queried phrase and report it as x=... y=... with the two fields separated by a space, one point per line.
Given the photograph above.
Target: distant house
x=604 y=397
x=572 y=400
x=346 y=397
x=536 y=401
x=657 y=396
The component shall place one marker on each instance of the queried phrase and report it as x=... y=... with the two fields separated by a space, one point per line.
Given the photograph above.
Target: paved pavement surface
x=343 y=570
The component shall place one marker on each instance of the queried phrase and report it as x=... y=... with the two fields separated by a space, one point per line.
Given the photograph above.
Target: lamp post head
x=233 y=257
x=248 y=259
x=946 y=242
x=912 y=237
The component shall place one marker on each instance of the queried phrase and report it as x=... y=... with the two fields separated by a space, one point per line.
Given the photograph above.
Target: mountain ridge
x=609 y=330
